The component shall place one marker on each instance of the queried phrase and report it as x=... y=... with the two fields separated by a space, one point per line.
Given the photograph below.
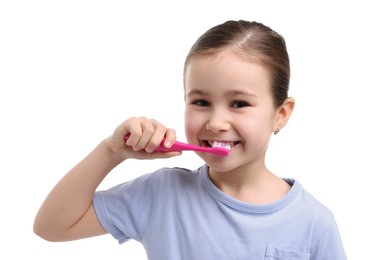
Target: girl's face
x=229 y=103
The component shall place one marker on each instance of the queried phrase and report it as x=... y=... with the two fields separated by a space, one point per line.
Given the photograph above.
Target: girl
x=236 y=79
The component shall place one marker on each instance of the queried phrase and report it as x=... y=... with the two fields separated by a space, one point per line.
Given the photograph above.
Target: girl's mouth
x=220 y=144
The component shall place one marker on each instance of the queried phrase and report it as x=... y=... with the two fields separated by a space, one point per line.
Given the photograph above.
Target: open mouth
x=220 y=144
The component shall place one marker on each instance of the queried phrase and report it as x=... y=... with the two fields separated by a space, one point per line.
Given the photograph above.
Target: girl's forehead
x=225 y=59
x=224 y=66
x=225 y=73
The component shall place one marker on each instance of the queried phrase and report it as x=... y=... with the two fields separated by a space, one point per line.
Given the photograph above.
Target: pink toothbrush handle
x=179 y=146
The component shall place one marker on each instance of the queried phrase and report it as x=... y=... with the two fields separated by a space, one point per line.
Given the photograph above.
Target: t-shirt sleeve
x=124 y=210
x=329 y=245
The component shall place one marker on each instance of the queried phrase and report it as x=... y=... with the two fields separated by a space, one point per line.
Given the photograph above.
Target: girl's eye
x=200 y=103
x=239 y=104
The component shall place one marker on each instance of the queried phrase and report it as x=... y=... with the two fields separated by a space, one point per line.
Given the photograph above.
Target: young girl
x=236 y=80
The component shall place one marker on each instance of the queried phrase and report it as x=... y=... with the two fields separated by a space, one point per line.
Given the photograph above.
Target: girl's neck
x=259 y=186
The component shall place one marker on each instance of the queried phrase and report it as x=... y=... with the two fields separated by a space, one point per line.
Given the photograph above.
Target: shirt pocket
x=273 y=253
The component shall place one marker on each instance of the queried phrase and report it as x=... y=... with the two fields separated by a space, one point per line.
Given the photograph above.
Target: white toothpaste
x=221 y=145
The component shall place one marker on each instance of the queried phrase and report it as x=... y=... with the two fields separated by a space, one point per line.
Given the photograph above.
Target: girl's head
x=236 y=80
x=252 y=41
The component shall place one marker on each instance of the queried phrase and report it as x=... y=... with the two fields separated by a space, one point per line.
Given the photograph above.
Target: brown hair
x=254 y=41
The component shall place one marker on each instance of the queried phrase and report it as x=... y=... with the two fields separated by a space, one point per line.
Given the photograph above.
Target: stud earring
x=276 y=131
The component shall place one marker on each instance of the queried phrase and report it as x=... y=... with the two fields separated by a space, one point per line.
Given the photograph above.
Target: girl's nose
x=217 y=123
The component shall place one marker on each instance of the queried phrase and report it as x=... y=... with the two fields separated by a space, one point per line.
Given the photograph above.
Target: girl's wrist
x=113 y=152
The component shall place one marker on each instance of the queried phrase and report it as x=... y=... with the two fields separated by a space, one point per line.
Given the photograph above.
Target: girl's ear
x=283 y=114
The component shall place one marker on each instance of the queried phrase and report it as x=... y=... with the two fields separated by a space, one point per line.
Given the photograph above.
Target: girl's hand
x=145 y=136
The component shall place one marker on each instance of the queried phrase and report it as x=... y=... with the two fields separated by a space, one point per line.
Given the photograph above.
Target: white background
x=71 y=71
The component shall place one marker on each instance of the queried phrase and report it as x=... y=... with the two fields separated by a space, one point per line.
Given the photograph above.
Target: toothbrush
x=180 y=146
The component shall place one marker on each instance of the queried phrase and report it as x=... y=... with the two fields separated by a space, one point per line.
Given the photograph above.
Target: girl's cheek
x=192 y=126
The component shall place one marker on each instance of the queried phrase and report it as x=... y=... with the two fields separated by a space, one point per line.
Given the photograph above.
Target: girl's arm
x=67 y=213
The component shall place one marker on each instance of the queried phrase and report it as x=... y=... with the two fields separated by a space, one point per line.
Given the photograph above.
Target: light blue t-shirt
x=180 y=214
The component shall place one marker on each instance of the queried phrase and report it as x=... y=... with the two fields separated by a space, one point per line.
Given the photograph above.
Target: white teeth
x=221 y=145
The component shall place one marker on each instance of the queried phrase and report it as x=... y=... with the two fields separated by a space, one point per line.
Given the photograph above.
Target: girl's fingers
x=147 y=134
x=170 y=138
x=155 y=140
x=148 y=128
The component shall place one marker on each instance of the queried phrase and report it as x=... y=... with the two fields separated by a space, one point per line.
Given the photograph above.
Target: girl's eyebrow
x=234 y=92
x=239 y=92
x=196 y=92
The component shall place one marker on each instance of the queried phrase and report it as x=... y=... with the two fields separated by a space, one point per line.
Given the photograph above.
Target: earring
x=276 y=131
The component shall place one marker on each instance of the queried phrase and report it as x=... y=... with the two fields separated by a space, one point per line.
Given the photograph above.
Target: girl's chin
x=220 y=167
